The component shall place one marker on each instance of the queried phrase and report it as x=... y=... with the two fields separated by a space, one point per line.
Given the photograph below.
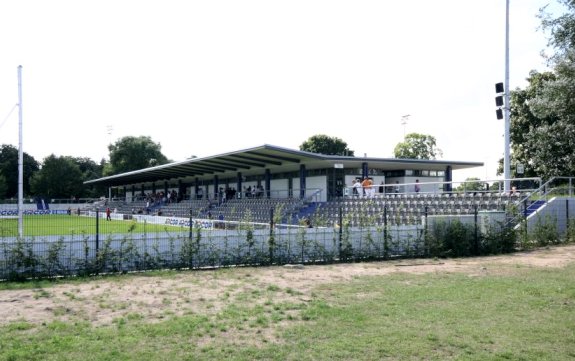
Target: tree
x=524 y=121
x=472 y=184
x=9 y=169
x=90 y=170
x=3 y=186
x=324 y=144
x=417 y=146
x=132 y=153
x=59 y=177
x=542 y=132
x=561 y=28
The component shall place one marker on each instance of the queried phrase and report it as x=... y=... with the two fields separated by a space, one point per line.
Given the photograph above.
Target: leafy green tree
x=3 y=186
x=324 y=144
x=9 y=169
x=472 y=184
x=90 y=170
x=131 y=153
x=524 y=121
x=552 y=143
x=60 y=177
x=417 y=146
x=542 y=132
x=561 y=28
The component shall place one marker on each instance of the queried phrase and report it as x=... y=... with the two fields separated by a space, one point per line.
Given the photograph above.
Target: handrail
x=438 y=187
x=543 y=192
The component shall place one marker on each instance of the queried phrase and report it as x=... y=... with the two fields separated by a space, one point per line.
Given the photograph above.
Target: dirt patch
x=102 y=301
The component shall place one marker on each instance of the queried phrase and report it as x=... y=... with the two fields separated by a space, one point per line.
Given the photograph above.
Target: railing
x=475 y=186
x=314 y=193
x=556 y=186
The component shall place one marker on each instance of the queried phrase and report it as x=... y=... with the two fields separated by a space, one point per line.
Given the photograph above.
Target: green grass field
x=46 y=225
x=505 y=312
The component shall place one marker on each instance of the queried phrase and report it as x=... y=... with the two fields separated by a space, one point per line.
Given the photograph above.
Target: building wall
x=312 y=183
x=279 y=188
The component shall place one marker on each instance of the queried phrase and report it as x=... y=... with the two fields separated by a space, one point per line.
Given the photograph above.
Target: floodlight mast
x=507 y=108
x=20 y=155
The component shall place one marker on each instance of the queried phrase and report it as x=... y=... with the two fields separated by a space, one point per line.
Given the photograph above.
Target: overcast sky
x=208 y=77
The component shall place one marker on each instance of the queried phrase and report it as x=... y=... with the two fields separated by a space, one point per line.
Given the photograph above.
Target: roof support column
x=447 y=187
x=239 y=185
x=302 y=178
x=181 y=190
x=133 y=192
x=196 y=187
x=364 y=170
x=216 y=186
x=268 y=178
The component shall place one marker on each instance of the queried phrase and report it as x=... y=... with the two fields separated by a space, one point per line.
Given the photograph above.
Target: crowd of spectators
x=156 y=200
x=254 y=192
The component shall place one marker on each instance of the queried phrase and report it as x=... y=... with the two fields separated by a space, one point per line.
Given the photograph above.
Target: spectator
x=417 y=189
x=220 y=223
x=357 y=190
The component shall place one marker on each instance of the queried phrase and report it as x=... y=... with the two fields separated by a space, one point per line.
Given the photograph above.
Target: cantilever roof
x=254 y=160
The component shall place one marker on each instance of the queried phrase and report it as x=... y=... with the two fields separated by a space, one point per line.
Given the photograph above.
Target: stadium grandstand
x=297 y=183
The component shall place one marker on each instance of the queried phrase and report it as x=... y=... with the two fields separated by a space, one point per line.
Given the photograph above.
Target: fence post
x=425 y=240
x=340 y=222
x=191 y=225
x=385 y=234
x=97 y=231
x=475 y=216
x=271 y=240
x=567 y=212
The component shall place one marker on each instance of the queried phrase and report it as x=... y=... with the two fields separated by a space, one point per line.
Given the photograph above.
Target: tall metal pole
x=20 y=154
x=507 y=107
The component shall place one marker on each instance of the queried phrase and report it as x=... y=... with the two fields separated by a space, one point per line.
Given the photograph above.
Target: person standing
x=365 y=185
x=108 y=214
x=417 y=188
x=357 y=190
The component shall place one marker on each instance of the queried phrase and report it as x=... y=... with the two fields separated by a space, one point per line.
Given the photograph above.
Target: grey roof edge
x=288 y=151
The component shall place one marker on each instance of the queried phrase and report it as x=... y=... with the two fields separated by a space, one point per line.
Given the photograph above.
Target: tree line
x=63 y=177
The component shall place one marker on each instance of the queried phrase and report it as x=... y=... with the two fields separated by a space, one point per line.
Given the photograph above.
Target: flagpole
x=20 y=155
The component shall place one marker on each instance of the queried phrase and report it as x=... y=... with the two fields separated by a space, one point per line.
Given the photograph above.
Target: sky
x=203 y=78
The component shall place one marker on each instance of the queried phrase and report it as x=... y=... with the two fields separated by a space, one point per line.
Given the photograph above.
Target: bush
x=545 y=232
x=451 y=239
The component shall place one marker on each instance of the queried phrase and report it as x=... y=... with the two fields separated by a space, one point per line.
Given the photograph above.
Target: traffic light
x=499 y=100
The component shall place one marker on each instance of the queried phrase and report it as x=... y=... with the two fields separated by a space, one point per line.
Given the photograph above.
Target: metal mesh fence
x=64 y=243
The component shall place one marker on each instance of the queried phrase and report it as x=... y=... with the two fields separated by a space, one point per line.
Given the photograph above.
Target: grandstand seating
x=399 y=208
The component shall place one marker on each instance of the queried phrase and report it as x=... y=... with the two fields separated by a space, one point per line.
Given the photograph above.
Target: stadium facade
x=279 y=173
